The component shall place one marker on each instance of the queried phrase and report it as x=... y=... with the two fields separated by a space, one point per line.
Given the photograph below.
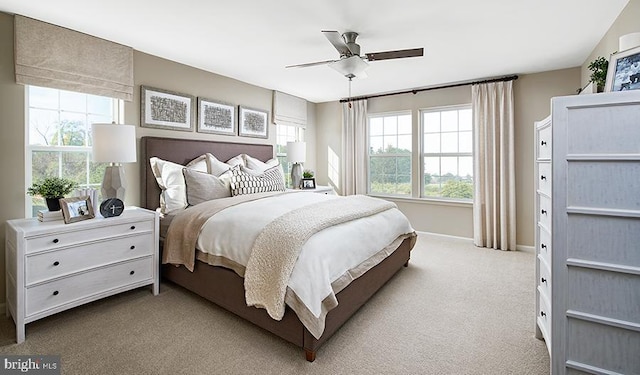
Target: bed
x=225 y=287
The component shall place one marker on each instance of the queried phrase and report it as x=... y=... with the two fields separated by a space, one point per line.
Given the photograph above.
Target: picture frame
x=164 y=109
x=76 y=209
x=253 y=122
x=215 y=117
x=624 y=71
x=308 y=183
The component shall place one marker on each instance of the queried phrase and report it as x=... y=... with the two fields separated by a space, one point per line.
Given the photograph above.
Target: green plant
x=599 y=68
x=308 y=173
x=52 y=187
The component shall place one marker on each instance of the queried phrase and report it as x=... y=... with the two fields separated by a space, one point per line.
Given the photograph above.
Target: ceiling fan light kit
x=351 y=64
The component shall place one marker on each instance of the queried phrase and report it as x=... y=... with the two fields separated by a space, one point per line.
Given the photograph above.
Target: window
x=447 y=142
x=284 y=134
x=58 y=137
x=390 y=142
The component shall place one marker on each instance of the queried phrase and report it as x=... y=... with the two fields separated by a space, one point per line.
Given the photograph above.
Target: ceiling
x=253 y=40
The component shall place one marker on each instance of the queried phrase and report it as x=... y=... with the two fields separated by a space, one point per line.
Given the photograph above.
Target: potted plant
x=52 y=189
x=308 y=173
x=598 y=68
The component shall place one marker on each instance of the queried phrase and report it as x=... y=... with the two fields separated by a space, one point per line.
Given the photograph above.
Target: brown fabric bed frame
x=223 y=286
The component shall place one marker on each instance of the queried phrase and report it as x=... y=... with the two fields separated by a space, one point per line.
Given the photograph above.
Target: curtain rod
x=415 y=91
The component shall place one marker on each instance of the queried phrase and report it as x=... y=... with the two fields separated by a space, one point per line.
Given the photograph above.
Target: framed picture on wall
x=624 y=71
x=166 y=109
x=216 y=117
x=253 y=123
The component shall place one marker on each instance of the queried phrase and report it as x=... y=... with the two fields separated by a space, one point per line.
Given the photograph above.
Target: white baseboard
x=525 y=248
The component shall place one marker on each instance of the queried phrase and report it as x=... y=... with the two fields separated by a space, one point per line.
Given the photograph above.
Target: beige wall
x=532 y=95
x=627 y=22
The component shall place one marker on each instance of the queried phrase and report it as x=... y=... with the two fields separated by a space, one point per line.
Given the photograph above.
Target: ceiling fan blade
x=335 y=38
x=310 y=64
x=375 y=56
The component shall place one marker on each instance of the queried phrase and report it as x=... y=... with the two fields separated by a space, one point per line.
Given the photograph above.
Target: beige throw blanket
x=277 y=247
x=182 y=235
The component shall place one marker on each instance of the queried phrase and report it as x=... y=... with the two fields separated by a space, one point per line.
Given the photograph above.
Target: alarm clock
x=111 y=207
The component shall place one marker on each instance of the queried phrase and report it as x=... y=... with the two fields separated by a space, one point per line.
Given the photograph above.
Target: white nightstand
x=52 y=266
x=319 y=189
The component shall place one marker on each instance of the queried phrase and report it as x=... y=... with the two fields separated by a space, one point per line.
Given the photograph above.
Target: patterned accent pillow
x=245 y=183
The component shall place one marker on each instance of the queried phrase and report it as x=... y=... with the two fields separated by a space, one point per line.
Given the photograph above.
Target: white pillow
x=237 y=160
x=171 y=180
x=257 y=165
x=216 y=167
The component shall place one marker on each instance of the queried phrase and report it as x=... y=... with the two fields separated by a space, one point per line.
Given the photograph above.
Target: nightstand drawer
x=544 y=211
x=544 y=178
x=544 y=282
x=51 y=264
x=544 y=316
x=56 y=240
x=71 y=289
x=544 y=144
x=544 y=245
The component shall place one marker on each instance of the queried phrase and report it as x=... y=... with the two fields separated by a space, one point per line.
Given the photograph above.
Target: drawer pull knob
x=132 y=247
x=132 y=272
x=133 y=227
x=543 y=246
x=544 y=212
x=543 y=314
x=55 y=293
x=55 y=240
x=543 y=177
x=56 y=263
x=543 y=280
x=543 y=143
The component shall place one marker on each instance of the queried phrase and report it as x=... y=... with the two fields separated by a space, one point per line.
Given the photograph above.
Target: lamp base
x=113 y=182
x=296 y=175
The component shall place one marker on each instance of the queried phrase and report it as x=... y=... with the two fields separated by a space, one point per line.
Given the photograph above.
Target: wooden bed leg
x=310 y=354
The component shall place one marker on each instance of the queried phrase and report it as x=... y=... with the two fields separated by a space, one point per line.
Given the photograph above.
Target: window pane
x=100 y=105
x=431 y=122
x=43 y=129
x=96 y=172
x=376 y=145
x=466 y=167
x=466 y=141
x=404 y=143
x=73 y=101
x=72 y=129
x=449 y=121
x=404 y=124
x=44 y=164
x=74 y=166
x=391 y=125
x=432 y=143
x=389 y=138
x=432 y=165
x=466 y=121
x=40 y=97
x=375 y=126
x=390 y=143
x=449 y=166
x=449 y=142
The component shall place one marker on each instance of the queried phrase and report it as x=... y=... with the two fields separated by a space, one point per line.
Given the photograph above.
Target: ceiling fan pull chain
x=350 y=92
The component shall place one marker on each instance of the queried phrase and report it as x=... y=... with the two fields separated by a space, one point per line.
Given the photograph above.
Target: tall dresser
x=595 y=232
x=543 y=230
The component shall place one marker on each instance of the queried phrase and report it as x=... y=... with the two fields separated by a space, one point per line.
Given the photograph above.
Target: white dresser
x=542 y=169
x=595 y=263
x=52 y=266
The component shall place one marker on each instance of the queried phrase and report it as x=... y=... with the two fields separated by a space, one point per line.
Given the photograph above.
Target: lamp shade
x=296 y=152
x=113 y=143
x=350 y=67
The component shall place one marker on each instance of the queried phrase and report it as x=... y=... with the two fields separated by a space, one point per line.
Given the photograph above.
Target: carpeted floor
x=456 y=309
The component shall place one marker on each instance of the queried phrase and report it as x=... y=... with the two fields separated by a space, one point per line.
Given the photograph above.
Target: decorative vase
x=53 y=204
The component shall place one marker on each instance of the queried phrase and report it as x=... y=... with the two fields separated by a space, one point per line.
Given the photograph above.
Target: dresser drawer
x=544 y=282
x=68 y=290
x=544 y=244
x=544 y=178
x=544 y=211
x=544 y=143
x=56 y=240
x=544 y=316
x=51 y=264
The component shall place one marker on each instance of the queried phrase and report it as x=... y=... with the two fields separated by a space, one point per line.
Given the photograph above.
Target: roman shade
x=53 y=56
x=289 y=110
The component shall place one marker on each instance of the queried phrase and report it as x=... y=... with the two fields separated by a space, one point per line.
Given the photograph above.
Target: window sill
x=440 y=202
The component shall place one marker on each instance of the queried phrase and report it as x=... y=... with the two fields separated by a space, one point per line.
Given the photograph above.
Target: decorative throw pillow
x=216 y=167
x=237 y=160
x=202 y=187
x=256 y=165
x=244 y=183
x=171 y=180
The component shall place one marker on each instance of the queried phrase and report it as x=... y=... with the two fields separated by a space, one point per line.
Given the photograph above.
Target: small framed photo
x=216 y=117
x=76 y=209
x=253 y=123
x=624 y=71
x=165 y=109
x=308 y=183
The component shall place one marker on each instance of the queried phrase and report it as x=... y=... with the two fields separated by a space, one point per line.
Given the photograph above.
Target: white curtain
x=354 y=148
x=494 y=206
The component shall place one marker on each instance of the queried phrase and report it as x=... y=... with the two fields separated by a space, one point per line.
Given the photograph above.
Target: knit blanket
x=277 y=247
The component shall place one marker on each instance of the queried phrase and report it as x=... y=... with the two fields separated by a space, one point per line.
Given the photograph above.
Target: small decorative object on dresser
x=111 y=207
x=253 y=123
x=52 y=267
x=624 y=71
x=216 y=117
x=76 y=209
x=166 y=109
x=308 y=183
x=52 y=189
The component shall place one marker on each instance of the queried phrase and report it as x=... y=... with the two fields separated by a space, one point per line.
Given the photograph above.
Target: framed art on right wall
x=624 y=71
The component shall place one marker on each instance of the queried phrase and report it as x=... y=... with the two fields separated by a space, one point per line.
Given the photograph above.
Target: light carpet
x=457 y=309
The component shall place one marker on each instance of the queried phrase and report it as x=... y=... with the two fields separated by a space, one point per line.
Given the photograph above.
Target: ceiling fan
x=351 y=64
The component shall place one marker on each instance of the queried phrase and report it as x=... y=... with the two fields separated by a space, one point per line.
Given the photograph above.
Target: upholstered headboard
x=182 y=151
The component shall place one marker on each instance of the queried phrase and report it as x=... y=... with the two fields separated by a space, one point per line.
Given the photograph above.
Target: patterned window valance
x=53 y=56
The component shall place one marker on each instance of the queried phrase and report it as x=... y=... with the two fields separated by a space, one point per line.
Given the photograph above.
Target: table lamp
x=114 y=144
x=296 y=154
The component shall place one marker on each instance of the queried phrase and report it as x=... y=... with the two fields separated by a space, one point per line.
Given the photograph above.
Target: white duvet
x=324 y=258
